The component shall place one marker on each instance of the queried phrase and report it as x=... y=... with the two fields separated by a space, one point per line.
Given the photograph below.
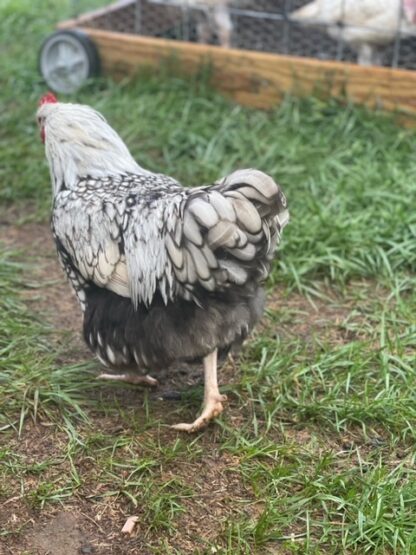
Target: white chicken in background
x=365 y=25
x=214 y=18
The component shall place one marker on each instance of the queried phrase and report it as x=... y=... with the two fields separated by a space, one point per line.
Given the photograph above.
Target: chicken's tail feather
x=228 y=234
x=260 y=190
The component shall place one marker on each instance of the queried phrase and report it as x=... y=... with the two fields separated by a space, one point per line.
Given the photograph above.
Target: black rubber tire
x=94 y=65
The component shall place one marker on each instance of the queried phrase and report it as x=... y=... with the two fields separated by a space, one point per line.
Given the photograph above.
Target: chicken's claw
x=212 y=408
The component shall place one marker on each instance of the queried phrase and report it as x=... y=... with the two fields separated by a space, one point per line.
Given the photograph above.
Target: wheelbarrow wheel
x=67 y=59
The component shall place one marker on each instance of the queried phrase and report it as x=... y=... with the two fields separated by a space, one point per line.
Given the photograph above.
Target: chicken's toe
x=130 y=378
x=212 y=409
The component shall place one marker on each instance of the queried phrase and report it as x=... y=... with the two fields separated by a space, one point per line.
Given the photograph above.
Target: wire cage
x=271 y=26
x=258 y=50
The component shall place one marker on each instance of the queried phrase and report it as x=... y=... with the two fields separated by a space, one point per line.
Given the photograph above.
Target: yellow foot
x=130 y=378
x=212 y=408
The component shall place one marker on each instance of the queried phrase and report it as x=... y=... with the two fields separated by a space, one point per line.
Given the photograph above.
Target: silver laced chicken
x=163 y=273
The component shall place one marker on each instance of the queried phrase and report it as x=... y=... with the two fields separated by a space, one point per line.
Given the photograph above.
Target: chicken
x=213 y=18
x=163 y=273
x=363 y=24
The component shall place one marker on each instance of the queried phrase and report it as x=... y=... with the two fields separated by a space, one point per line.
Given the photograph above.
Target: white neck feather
x=79 y=143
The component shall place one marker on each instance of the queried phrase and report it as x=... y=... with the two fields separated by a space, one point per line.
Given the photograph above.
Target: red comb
x=48 y=98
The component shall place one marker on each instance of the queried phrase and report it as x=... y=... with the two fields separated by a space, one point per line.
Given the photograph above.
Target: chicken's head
x=79 y=143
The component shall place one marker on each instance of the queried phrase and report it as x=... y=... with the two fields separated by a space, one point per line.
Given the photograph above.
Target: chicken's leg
x=368 y=55
x=212 y=397
x=224 y=25
x=130 y=378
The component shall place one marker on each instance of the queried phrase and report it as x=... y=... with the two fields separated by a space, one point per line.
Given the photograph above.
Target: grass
x=315 y=453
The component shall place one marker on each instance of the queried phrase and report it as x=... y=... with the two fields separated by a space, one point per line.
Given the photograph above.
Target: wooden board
x=260 y=79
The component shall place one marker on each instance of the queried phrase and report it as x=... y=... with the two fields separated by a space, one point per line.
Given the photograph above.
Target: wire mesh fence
x=380 y=32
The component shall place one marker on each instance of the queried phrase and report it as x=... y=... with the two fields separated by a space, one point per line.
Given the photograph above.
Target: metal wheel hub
x=64 y=63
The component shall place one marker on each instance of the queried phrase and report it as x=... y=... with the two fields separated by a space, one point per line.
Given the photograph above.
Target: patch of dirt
x=46 y=287
x=307 y=319
x=333 y=318
x=225 y=500
x=61 y=535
